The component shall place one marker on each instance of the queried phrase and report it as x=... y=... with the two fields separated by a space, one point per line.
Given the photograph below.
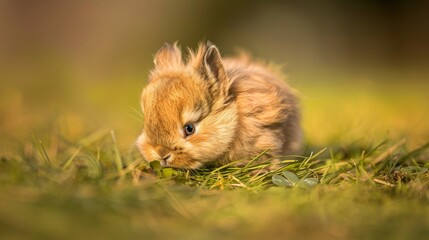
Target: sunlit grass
x=84 y=191
x=76 y=174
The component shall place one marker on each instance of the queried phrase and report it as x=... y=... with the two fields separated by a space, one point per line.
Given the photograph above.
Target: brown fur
x=239 y=107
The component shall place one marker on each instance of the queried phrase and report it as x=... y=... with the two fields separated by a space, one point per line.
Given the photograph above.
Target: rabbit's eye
x=189 y=129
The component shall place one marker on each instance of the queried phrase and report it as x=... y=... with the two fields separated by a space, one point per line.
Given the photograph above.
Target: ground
x=64 y=174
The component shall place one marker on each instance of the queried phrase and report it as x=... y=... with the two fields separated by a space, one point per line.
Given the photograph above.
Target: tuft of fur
x=239 y=108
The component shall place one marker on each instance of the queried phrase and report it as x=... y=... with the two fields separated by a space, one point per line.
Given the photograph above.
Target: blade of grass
x=389 y=151
x=94 y=137
x=118 y=158
x=305 y=162
x=253 y=160
x=44 y=157
x=211 y=173
x=72 y=157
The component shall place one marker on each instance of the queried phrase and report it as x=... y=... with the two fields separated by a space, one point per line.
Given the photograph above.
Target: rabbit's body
x=210 y=110
x=268 y=111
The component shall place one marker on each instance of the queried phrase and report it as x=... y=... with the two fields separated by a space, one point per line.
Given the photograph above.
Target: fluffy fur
x=239 y=108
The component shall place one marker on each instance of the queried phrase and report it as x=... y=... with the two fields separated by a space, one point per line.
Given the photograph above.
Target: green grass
x=77 y=180
x=90 y=190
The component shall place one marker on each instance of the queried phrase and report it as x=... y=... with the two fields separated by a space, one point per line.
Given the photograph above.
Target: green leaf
x=281 y=181
x=155 y=165
x=308 y=183
x=168 y=172
x=291 y=177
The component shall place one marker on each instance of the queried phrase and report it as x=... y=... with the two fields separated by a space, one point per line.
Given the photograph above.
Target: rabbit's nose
x=164 y=153
x=166 y=157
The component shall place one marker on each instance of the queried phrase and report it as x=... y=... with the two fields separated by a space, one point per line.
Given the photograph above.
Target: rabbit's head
x=190 y=118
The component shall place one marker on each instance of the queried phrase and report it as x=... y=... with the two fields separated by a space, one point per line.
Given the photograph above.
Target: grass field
x=68 y=170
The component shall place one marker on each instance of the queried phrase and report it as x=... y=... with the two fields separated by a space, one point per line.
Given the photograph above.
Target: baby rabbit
x=212 y=111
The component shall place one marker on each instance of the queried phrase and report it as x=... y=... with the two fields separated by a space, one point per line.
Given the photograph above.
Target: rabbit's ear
x=168 y=55
x=214 y=71
x=212 y=64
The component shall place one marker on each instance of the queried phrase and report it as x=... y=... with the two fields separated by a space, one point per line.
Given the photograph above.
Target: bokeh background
x=75 y=67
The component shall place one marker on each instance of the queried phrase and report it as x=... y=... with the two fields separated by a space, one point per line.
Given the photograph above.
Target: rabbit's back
x=268 y=110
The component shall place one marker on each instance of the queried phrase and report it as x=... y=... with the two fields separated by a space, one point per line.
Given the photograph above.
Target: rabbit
x=207 y=110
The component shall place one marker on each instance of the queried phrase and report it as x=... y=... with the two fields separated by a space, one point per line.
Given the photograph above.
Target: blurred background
x=78 y=66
